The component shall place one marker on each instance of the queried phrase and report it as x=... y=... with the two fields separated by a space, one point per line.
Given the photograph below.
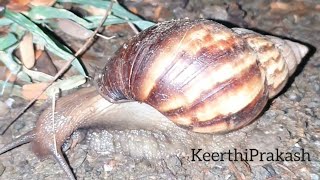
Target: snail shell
x=201 y=75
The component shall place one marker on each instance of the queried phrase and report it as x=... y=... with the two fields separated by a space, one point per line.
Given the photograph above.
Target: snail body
x=201 y=75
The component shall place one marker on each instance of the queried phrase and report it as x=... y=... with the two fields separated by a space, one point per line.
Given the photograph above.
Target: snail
x=199 y=74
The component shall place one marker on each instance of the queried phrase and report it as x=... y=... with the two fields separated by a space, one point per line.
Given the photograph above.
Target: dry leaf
x=38 y=54
x=30 y=91
x=20 y=2
x=73 y=29
x=4 y=30
x=44 y=63
x=60 y=63
x=18 y=5
x=2 y=73
x=118 y=28
x=133 y=9
x=11 y=77
x=42 y=2
x=284 y=8
x=6 y=75
x=96 y=11
x=279 y=6
x=27 y=51
x=157 y=12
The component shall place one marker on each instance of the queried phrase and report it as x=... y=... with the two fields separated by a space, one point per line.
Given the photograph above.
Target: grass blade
x=117 y=9
x=42 y=38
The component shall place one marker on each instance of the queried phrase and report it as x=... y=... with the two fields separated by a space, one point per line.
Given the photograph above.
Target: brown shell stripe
x=224 y=99
x=271 y=60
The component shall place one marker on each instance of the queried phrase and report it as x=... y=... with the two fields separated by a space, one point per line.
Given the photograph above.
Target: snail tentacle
x=24 y=139
x=58 y=156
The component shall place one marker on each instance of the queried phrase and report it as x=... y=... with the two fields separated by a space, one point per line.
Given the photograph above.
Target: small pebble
x=309 y=112
x=87 y=167
x=19 y=126
x=314 y=177
x=78 y=158
x=216 y=12
x=110 y=166
x=295 y=97
x=174 y=163
x=270 y=169
x=4 y=109
x=66 y=145
x=316 y=88
x=9 y=102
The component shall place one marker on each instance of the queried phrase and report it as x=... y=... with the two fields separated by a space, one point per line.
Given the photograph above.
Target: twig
x=65 y=67
x=53 y=121
x=135 y=30
x=105 y=37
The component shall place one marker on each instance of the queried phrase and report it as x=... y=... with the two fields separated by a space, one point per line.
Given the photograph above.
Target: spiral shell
x=277 y=57
x=200 y=74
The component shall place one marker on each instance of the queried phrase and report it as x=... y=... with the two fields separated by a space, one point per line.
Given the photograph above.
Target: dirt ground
x=291 y=122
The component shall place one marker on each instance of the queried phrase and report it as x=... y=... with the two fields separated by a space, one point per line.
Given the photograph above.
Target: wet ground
x=290 y=123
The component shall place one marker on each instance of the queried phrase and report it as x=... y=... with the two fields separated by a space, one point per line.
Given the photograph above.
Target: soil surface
x=290 y=123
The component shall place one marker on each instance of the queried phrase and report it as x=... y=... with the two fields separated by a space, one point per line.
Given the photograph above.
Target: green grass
x=39 y=18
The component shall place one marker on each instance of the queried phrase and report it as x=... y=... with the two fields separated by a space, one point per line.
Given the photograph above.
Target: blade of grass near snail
x=8 y=44
x=142 y=24
x=5 y=21
x=38 y=76
x=7 y=41
x=73 y=29
x=8 y=59
x=44 y=39
x=121 y=13
x=7 y=88
x=44 y=14
x=66 y=84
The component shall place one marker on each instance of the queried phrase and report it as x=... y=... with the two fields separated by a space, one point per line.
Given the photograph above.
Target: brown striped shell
x=200 y=74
